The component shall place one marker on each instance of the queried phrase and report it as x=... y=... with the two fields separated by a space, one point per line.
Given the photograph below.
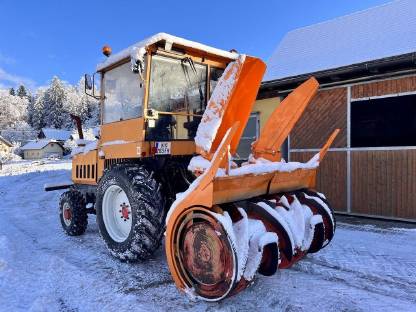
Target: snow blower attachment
x=235 y=221
x=228 y=222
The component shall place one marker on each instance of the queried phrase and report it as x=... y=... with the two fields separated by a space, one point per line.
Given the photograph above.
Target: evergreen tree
x=30 y=109
x=38 y=113
x=54 y=100
x=11 y=91
x=21 y=91
x=90 y=106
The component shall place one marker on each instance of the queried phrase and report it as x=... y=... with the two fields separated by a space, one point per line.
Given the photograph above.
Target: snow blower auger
x=172 y=115
x=235 y=221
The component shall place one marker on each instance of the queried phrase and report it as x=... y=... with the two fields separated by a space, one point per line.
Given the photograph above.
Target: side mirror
x=88 y=82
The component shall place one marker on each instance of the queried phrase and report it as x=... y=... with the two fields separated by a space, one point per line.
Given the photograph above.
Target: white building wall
x=50 y=149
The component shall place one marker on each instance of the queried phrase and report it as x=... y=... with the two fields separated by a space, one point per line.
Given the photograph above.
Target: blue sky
x=40 y=39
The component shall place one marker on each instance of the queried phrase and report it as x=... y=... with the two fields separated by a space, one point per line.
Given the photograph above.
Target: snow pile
x=82 y=142
x=262 y=165
x=133 y=50
x=212 y=118
x=279 y=218
x=115 y=142
x=198 y=164
x=259 y=239
x=298 y=221
x=255 y=166
x=137 y=59
x=93 y=145
x=248 y=238
x=89 y=146
x=242 y=240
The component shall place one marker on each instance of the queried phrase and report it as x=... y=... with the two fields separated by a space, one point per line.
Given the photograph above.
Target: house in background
x=366 y=65
x=42 y=149
x=59 y=135
x=5 y=146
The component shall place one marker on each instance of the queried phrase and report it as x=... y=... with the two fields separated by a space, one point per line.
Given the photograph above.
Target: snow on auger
x=164 y=163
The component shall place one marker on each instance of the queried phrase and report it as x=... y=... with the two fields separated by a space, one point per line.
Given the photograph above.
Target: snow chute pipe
x=282 y=121
x=78 y=124
x=232 y=101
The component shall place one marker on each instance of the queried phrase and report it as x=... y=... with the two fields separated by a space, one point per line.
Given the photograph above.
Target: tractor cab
x=155 y=92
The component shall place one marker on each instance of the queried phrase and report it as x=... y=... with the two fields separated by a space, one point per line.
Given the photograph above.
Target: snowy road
x=365 y=268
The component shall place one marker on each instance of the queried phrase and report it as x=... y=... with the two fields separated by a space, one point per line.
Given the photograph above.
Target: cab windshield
x=177 y=85
x=178 y=91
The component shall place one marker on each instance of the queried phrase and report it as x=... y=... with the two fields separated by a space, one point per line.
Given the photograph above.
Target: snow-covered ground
x=365 y=268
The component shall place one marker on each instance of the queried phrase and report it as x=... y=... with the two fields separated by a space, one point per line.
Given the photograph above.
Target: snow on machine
x=173 y=113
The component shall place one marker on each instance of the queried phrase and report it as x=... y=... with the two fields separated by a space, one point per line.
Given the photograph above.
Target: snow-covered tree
x=79 y=104
x=54 y=100
x=22 y=113
x=30 y=109
x=90 y=106
x=13 y=109
x=38 y=114
x=73 y=106
x=13 y=117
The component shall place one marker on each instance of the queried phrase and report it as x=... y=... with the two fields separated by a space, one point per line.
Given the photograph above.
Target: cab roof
x=126 y=53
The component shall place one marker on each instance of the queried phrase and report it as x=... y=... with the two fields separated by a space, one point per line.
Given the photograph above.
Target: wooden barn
x=366 y=65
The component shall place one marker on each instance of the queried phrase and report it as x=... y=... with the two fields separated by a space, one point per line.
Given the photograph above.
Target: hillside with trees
x=23 y=114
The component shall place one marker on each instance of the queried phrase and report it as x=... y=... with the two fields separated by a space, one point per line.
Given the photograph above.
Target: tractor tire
x=73 y=213
x=130 y=212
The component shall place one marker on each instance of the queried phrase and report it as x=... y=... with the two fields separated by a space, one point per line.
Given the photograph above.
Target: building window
x=250 y=134
x=389 y=121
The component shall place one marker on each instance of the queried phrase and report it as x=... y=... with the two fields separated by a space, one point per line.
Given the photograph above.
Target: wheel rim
x=117 y=213
x=67 y=214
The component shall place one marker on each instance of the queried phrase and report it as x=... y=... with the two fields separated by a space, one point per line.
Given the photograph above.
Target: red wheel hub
x=67 y=214
x=125 y=211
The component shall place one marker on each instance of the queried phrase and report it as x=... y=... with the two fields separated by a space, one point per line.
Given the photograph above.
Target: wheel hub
x=67 y=214
x=125 y=211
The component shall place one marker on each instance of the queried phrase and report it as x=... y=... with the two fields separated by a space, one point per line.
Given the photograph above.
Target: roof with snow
x=377 y=33
x=115 y=58
x=5 y=141
x=38 y=145
x=55 y=134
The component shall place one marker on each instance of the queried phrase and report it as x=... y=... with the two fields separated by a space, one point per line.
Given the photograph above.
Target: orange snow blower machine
x=173 y=113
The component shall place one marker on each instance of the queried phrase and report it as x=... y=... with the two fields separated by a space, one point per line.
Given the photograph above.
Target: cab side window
x=124 y=94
